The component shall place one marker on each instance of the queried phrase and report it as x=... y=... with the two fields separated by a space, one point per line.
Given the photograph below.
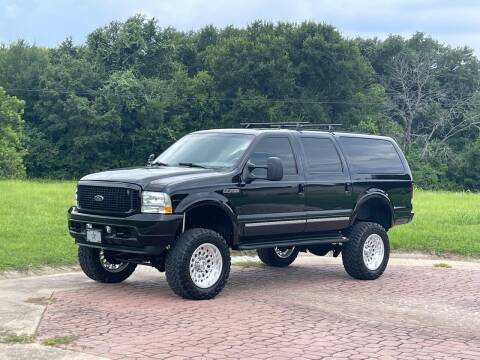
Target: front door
x=267 y=208
x=328 y=195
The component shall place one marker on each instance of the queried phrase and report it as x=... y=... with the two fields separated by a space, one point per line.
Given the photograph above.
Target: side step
x=294 y=241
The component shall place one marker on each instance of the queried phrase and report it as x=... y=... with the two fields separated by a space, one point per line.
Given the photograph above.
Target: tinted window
x=321 y=155
x=372 y=156
x=279 y=147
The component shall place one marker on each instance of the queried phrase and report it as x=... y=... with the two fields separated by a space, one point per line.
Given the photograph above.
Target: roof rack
x=297 y=125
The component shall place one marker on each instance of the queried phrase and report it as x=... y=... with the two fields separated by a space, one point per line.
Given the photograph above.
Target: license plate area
x=94 y=236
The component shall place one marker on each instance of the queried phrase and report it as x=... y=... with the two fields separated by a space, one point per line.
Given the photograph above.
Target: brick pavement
x=308 y=311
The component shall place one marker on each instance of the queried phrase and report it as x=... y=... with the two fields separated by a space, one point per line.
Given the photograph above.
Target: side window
x=372 y=156
x=321 y=155
x=274 y=146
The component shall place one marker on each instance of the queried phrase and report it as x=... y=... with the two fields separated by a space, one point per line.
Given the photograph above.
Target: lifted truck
x=279 y=191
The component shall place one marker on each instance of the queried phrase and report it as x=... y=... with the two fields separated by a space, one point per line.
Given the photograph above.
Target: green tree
x=11 y=130
x=136 y=44
x=64 y=115
x=468 y=169
x=21 y=68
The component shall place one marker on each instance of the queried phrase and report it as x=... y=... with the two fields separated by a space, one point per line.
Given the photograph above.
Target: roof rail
x=278 y=125
x=297 y=125
x=330 y=127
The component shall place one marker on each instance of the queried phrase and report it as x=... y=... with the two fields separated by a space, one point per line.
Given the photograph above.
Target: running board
x=293 y=242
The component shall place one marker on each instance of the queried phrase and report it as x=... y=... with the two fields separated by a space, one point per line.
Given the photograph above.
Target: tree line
x=133 y=88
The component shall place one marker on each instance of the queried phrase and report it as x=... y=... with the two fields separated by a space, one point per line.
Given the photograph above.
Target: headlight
x=75 y=199
x=156 y=202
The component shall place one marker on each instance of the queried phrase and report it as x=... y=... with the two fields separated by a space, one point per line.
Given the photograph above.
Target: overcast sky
x=48 y=22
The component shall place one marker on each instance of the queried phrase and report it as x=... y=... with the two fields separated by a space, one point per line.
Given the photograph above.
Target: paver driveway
x=310 y=310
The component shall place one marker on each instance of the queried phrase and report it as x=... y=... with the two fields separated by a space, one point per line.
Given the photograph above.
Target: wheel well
x=210 y=217
x=375 y=210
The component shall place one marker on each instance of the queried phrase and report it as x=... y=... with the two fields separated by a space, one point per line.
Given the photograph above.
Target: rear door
x=328 y=193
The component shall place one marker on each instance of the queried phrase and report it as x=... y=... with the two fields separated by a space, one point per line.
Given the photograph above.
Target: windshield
x=210 y=150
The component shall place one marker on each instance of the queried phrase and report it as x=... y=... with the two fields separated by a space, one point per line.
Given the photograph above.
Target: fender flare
x=211 y=199
x=369 y=195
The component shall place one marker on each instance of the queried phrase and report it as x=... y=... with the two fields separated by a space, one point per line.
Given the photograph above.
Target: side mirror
x=274 y=170
x=150 y=159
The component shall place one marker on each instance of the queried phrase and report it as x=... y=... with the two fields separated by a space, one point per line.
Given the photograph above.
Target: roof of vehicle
x=256 y=132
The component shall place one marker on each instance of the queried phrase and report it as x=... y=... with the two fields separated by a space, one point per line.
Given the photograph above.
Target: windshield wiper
x=159 y=163
x=192 y=165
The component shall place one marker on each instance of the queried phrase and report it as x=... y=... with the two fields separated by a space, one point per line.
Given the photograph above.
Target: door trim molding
x=270 y=223
x=295 y=222
x=321 y=220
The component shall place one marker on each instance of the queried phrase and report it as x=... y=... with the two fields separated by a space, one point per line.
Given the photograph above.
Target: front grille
x=108 y=199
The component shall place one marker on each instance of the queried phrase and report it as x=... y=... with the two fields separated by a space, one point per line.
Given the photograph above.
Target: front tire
x=98 y=266
x=365 y=255
x=278 y=256
x=198 y=264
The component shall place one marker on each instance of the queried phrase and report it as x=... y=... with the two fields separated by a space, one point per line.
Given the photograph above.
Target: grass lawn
x=444 y=222
x=33 y=224
x=33 y=230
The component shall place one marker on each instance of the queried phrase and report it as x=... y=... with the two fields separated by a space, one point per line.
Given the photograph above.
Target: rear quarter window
x=371 y=156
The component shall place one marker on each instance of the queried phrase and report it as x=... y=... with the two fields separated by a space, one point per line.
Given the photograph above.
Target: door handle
x=348 y=187
x=301 y=189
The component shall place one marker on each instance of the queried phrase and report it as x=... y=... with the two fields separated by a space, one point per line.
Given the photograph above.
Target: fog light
x=108 y=229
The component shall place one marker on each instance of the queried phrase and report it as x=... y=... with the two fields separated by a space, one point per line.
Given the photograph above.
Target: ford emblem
x=98 y=198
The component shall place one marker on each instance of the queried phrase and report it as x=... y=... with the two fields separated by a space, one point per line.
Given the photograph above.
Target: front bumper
x=147 y=234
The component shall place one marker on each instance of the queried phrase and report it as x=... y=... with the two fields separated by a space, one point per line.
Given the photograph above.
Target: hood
x=158 y=176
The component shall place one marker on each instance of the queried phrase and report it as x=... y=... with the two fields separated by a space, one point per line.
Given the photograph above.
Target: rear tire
x=99 y=267
x=365 y=255
x=278 y=256
x=198 y=264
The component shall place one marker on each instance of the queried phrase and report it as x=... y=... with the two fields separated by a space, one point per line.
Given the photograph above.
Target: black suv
x=276 y=191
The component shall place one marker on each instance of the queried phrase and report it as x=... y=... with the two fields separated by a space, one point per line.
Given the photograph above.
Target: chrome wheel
x=109 y=266
x=284 y=252
x=373 y=252
x=206 y=265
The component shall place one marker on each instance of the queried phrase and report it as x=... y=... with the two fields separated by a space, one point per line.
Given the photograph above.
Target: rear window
x=372 y=156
